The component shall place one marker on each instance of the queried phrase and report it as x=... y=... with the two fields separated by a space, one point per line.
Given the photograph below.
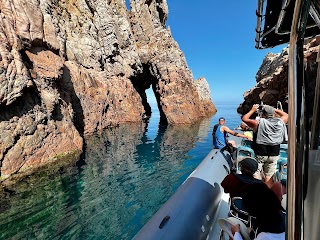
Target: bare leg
x=233 y=143
x=269 y=168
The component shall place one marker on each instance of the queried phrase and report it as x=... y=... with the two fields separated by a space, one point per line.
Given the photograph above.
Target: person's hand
x=235 y=228
x=249 y=138
x=255 y=107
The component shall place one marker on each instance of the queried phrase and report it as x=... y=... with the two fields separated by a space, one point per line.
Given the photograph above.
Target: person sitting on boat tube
x=234 y=182
x=269 y=133
x=219 y=135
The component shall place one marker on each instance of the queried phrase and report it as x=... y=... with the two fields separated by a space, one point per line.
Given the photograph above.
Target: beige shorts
x=267 y=164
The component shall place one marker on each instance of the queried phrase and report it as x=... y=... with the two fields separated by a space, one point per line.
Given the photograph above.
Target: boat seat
x=246 y=143
x=241 y=153
x=244 y=152
x=282 y=170
x=239 y=211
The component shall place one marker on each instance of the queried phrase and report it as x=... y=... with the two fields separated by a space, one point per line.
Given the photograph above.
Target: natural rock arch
x=85 y=65
x=141 y=83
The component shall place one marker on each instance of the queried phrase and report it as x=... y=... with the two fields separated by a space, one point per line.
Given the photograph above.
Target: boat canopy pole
x=315 y=128
x=298 y=142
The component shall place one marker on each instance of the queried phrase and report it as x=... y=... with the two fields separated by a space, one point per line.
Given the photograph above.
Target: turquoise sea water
x=125 y=176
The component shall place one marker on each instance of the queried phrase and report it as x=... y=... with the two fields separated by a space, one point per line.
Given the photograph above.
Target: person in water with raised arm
x=269 y=132
x=219 y=135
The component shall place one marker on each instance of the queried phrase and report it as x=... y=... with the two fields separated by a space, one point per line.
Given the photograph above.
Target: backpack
x=214 y=131
x=228 y=146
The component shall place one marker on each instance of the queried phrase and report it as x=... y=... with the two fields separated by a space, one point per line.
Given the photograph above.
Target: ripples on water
x=128 y=173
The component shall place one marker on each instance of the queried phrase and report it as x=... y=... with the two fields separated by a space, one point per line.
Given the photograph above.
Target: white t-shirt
x=264 y=236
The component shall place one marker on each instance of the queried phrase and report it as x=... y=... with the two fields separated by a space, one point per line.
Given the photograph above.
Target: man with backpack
x=219 y=135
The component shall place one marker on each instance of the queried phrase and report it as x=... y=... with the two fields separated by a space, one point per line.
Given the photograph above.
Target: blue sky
x=217 y=38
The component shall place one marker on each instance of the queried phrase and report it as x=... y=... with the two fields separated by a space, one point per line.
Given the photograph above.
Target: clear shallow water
x=127 y=174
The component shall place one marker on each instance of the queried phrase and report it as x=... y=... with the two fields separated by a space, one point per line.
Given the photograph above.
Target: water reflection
x=34 y=208
x=125 y=179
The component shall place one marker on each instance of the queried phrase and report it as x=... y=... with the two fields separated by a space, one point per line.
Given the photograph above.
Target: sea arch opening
x=128 y=5
x=146 y=85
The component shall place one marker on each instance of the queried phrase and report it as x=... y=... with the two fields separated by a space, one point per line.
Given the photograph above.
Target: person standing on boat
x=269 y=133
x=219 y=135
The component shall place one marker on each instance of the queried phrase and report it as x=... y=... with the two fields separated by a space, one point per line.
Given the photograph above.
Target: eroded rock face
x=171 y=79
x=272 y=78
x=72 y=68
x=205 y=94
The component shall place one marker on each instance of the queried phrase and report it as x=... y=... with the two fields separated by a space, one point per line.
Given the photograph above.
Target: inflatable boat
x=191 y=212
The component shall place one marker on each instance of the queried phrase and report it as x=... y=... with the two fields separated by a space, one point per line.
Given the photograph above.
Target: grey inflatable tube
x=191 y=210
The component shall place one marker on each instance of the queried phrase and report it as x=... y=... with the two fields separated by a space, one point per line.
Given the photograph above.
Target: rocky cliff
x=70 y=68
x=272 y=78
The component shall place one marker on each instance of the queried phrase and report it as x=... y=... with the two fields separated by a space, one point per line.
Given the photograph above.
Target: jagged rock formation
x=71 y=68
x=204 y=93
x=272 y=78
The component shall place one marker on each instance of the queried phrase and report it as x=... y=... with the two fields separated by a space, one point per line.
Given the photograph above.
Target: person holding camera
x=268 y=133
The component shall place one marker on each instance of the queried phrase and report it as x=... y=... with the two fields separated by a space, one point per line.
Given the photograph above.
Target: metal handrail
x=285 y=4
x=314 y=13
x=283 y=13
x=297 y=146
x=259 y=21
x=315 y=128
x=277 y=28
x=279 y=105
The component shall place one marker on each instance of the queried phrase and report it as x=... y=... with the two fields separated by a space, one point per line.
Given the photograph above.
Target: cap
x=222 y=119
x=250 y=164
x=243 y=123
x=268 y=110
